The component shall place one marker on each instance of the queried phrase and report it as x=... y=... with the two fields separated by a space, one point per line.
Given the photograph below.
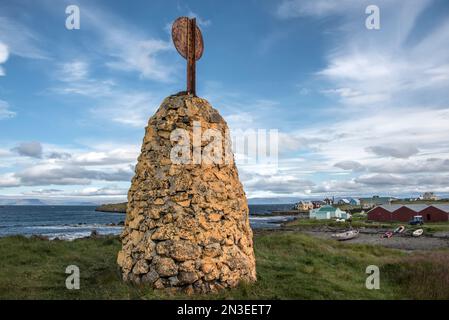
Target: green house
x=328 y=212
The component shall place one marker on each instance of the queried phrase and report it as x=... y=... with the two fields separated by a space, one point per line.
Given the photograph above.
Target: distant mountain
x=73 y=203
x=21 y=202
x=280 y=200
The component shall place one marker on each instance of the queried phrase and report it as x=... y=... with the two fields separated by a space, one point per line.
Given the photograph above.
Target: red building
x=405 y=213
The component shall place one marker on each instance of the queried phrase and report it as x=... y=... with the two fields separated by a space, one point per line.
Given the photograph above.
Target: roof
x=327 y=208
x=442 y=207
x=415 y=207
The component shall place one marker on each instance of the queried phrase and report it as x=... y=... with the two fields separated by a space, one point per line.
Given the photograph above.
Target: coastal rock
x=187 y=223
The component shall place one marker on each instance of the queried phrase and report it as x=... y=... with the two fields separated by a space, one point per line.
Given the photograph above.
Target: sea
x=72 y=222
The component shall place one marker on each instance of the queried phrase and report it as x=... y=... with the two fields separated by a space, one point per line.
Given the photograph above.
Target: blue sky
x=359 y=111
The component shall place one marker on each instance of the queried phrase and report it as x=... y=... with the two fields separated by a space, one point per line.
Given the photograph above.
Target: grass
x=290 y=265
x=423 y=277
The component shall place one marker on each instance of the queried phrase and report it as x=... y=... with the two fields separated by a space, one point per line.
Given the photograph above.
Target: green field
x=290 y=265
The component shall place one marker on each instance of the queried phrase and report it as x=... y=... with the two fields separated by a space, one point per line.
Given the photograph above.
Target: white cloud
x=298 y=8
x=127 y=108
x=47 y=165
x=389 y=126
x=59 y=174
x=98 y=191
x=117 y=155
x=199 y=20
x=31 y=149
x=75 y=70
x=9 y=180
x=349 y=165
x=401 y=151
x=4 y=55
x=129 y=49
x=21 y=40
x=109 y=101
x=5 y=112
x=75 y=79
x=140 y=56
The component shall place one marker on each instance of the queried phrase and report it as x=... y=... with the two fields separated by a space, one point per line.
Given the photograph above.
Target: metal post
x=191 y=85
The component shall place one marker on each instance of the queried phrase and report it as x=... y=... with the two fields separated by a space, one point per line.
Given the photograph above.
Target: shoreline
x=121 y=208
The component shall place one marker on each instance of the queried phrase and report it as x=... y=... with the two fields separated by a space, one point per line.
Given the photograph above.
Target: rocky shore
x=113 y=207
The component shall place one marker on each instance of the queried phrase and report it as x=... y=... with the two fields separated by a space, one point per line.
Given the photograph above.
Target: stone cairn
x=187 y=223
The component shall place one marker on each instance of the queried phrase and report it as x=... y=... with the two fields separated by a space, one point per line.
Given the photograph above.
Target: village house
x=428 y=196
x=405 y=213
x=318 y=204
x=328 y=212
x=349 y=201
x=303 y=205
x=343 y=201
x=368 y=203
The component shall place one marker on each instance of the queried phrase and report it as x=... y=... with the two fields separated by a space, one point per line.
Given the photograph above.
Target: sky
x=358 y=111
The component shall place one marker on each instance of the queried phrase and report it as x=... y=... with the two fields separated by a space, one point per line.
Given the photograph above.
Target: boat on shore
x=399 y=229
x=418 y=233
x=387 y=234
x=347 y=235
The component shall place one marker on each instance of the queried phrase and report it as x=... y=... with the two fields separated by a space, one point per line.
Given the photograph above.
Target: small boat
x=399 y=229
x=347 y=235
x=387 y=234
x=418 y=233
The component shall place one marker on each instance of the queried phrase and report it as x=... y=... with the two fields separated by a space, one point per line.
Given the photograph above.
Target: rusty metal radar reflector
x=188 y=42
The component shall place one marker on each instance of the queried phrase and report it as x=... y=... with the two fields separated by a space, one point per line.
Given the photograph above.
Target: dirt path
x=396 y=242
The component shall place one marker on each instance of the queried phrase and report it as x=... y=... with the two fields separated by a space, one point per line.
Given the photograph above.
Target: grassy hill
x=114 y=207
x=290 y=265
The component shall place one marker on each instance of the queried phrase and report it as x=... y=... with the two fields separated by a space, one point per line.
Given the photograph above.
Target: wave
x=74 y=226
x=76 y=235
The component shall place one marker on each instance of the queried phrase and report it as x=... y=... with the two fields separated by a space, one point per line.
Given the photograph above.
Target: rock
x=187 y=277
x=187 y=266
x=214 y=217
x=189 y=290
x=212 y=250
x=149 y=251
x=187 y=223
x=150 y=277
x=141 y=267
x=159 y=201
x=183 y=250
x=136 y=236
x=159 y=284
x=135 y=223
x=184 y=203
x=208 y=267
x=173 y=281
x=166 y=267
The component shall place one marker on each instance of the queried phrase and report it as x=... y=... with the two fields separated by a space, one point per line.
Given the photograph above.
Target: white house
x=328 y=212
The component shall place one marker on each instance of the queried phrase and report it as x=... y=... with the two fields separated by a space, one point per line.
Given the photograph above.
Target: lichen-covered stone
x=187 y=223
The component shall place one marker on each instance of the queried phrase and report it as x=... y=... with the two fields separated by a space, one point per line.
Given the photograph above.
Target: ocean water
x=71 y=222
